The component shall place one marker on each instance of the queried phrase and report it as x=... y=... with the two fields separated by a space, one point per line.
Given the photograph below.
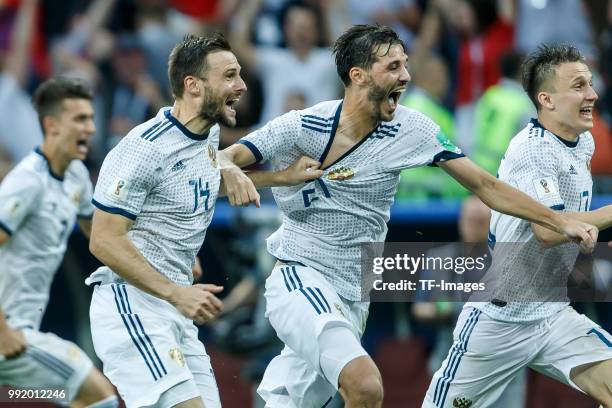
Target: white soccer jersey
x=324 y=221
x=166 y=179
x=38 y=210
x=556 y=173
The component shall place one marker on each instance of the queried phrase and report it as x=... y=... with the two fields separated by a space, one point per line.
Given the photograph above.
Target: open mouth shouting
x=230 y=102
x=83 y=146
x=393 y=98
x=586 y=113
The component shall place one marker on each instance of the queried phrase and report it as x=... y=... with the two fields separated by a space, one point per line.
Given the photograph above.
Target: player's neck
x=58 y=162
x=190 y=117
x=356 y=118
x=558 y=129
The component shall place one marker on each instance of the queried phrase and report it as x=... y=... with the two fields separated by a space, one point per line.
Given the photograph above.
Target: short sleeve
x=420 y=142
x=128 y=174
x=20 y=194
x=278 y=136
x=85 y=206
x=535 y=172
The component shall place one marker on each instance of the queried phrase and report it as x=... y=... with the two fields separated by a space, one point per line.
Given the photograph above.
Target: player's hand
x=196 y=271
x=303 y=169
x=12 y=343
x=582 y=233
x=240 y=189
x=198 y=302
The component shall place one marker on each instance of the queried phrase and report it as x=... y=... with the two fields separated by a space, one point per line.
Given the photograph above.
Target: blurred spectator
x=401 y=15
x=553 y=21
x=129 y=94
x=17 y=141
x=486 y=32
x=501 y=112
x=430 y=86
x=300 y=68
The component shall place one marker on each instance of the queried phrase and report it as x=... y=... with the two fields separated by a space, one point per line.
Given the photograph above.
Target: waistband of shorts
x=289 y=262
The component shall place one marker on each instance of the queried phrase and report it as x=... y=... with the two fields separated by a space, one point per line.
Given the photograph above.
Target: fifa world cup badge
x=343 y=173
x=212 y=154
x=462 y=402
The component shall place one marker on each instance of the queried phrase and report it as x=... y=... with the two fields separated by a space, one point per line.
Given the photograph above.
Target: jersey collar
x=39 y=151
x=536 y=123
x=183 y=129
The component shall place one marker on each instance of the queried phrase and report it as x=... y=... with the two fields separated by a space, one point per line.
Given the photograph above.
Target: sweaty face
x=573 y=97
x=223 y=87
x=388 y=78
x=74 y=127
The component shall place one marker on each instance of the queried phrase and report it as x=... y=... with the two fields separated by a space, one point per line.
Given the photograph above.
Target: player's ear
x=49 y=124
x=191 y=85
x=358 y=76
x=545 y=100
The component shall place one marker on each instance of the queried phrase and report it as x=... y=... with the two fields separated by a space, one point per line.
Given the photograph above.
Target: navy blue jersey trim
x=55 y=176
x=536 y=123
x=316 y=129
x=5 y=228
x=253 y=149
x=558 y=207
x=332 y=134
x=183 y=129
x=114 y=210
x=445 y=156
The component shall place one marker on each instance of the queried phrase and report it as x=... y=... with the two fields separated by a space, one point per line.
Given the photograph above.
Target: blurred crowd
x=464 y=59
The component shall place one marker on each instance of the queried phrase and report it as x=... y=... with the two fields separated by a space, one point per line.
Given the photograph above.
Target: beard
x=212 y=109
x=377 y=95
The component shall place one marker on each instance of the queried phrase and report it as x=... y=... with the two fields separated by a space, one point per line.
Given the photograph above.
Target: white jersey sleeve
x=86 y=208
x=127 y=175
x=20 y=193
x=277 y=137
x=535 y=171
x=423 y=144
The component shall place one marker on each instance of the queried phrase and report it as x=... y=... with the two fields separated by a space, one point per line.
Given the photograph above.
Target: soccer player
x=40 y=200
x=155 y=198
x=314 y=295
x=550 y=161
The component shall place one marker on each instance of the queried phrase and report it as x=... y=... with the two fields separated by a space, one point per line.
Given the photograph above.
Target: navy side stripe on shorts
x=142 y=330
x=124 y=310
x=458 y=350
x=313 y=295
x=50 y=361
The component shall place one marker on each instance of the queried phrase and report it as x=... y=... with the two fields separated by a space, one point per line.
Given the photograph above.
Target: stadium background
x=463 y=54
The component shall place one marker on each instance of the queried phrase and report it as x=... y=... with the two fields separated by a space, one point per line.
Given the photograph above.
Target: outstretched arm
x=503 y=198
x=236 y=187
x=600 y=218
x=111 y=245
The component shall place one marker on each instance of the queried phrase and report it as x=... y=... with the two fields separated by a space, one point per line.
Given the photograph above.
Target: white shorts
x=487 y=354
x=49 y=362
x=147 y=346
x=301 y=305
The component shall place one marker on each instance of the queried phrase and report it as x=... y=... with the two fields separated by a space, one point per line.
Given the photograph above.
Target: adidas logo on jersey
x=572 y=170
x=178 y=166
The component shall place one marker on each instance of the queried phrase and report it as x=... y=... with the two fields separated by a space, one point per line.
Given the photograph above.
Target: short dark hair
x=49 y=96
x=541 y=65
x=189 y=58
x=358 y=47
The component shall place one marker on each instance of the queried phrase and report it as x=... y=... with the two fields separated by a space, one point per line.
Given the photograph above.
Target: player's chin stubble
x=212 y=110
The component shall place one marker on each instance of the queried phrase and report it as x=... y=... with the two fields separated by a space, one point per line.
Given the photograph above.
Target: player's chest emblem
x=343 y=173
x=212 y=155
x=177 y=355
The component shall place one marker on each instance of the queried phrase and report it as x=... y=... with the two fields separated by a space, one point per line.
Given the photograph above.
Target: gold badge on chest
x=212 y=154
x=343 y=173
